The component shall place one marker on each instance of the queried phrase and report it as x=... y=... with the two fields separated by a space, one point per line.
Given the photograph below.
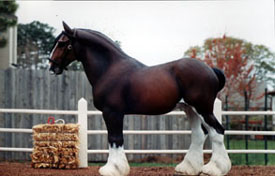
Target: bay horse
x=123 y=85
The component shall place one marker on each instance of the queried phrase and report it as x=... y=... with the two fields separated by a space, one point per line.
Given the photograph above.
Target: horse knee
x=114 y=124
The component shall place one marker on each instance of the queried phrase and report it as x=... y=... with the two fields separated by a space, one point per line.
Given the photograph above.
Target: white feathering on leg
x=117 y=164
x=193 y=160
x=219 y=163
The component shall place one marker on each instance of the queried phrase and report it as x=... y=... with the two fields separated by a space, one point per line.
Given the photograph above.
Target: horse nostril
x=52 y=72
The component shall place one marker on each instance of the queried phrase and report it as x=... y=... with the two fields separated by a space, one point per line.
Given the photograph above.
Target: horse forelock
x=55 y=41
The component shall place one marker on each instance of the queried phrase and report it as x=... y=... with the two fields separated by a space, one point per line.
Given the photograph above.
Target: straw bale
x=68 y=166
x=44 y=165
x=55 y=146
x=56 y=128
x=55 y=137
x=57 y=166
x=68 y=151
x=45 y=154
x=44 y=158
x=48 y=128
x=69 y=160
x=54 y=155
x=71 y=128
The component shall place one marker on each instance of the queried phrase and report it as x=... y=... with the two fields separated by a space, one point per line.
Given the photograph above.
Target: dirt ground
x=24 y=169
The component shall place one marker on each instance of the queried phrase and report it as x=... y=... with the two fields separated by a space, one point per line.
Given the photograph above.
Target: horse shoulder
x=111 y=89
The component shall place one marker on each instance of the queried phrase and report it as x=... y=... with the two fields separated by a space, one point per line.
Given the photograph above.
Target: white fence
x=82 y=115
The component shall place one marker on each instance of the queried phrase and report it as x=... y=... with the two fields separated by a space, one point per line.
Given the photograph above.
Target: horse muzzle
x=55 y=70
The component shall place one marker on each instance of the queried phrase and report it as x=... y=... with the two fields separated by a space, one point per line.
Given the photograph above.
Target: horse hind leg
x=219 y=163
x=193 y=160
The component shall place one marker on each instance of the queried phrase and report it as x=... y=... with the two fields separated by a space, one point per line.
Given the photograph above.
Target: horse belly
x=155 y=96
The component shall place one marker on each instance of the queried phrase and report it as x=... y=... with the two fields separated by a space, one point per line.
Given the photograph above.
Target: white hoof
x=117 y=164
x=187 y=168
x=114 y=170
x=214 y=168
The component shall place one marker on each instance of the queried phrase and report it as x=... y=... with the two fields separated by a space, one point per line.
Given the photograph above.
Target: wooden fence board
x=2 y=104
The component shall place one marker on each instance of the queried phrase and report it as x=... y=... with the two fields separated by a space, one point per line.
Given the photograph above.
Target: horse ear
x=67 y=28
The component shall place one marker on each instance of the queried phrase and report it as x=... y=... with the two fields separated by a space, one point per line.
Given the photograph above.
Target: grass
x=253 y=159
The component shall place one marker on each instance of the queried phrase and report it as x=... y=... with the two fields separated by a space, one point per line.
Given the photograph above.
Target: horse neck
x=98 y=53
x=97 y=62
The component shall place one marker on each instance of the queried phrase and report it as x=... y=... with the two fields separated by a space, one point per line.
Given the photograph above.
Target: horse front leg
x=117 y=164
x=193 y=160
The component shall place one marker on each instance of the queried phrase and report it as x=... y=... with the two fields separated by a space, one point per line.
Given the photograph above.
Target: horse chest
x=108 y=93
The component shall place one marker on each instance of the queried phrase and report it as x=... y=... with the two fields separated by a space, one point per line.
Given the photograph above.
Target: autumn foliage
x=230 y=55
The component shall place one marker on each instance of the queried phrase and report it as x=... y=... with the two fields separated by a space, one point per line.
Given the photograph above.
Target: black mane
x=99 y=38
x=95 y=37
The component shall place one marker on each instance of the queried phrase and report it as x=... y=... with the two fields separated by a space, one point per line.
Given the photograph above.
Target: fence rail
x=98 y=151
x=82 y=114
x=147 y=132
x=39 y=111
x=248 y=112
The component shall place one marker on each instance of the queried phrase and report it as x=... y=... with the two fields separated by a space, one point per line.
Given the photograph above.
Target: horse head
x=62 y=53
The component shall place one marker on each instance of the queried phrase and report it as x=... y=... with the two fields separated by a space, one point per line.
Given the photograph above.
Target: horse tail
x=221 y=78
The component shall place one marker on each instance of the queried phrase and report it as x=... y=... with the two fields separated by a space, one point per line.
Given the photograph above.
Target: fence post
x=83 y=138
x=246 y=107
x=265 y=127
x=227 y=123
x=218 y=110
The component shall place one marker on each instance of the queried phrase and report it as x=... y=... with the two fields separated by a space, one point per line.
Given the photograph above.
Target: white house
x=8 y=54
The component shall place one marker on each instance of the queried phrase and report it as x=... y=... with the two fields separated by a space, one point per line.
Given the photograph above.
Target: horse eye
x=69 y=47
